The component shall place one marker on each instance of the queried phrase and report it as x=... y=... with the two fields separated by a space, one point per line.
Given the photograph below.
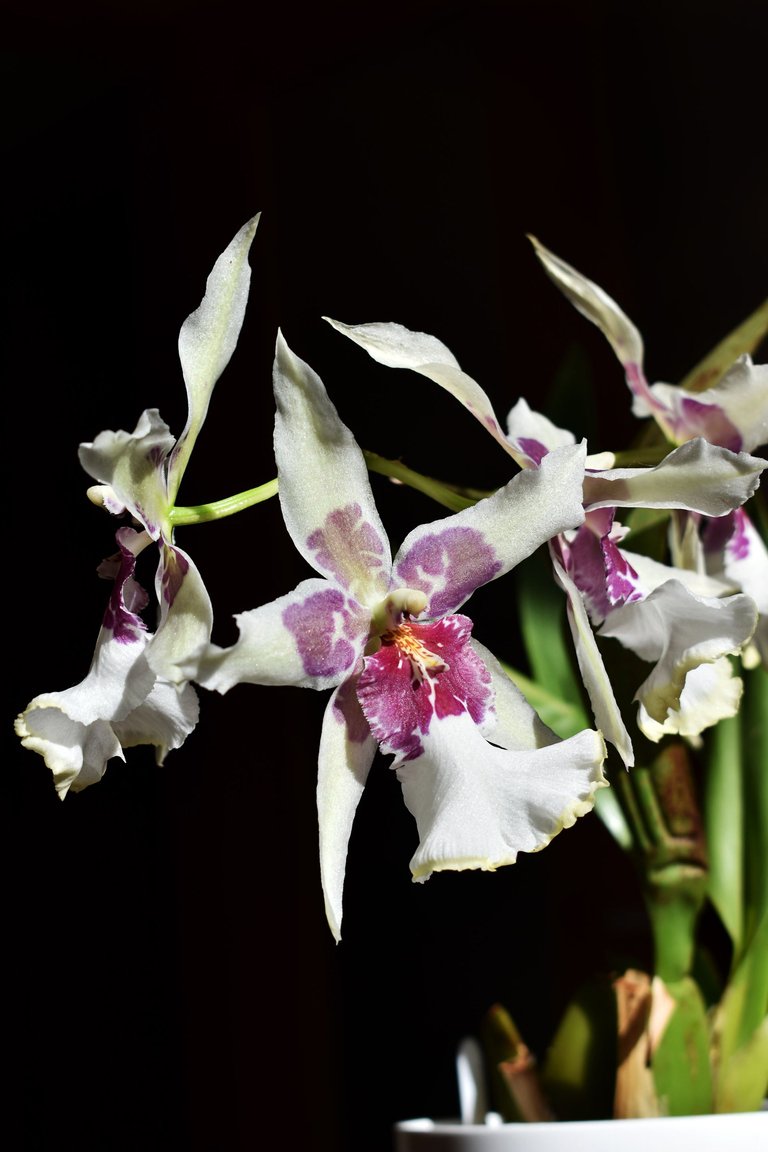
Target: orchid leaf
x=680 y=1063
x=745 y=338
x=724 y=826
x=754 y=768
x=542 y=619
x=579 y=1068
x=564 y=717
x=742 y=1081
x=451 y=496
x=739 y=1022
x=514 y=1077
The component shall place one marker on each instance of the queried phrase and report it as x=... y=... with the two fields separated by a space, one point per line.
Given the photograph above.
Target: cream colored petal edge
x=478 y=806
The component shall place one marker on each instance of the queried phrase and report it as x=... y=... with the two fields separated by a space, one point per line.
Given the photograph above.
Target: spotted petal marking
x=423 y=671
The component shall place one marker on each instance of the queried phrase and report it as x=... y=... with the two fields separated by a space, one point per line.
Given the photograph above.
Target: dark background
x=172 y=979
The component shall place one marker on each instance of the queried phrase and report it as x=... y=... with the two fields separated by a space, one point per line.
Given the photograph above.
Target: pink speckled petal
x=312 y=638
x=325 y=493
x=450 y=558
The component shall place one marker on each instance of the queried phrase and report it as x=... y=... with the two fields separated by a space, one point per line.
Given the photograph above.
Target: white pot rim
x=713 y=1132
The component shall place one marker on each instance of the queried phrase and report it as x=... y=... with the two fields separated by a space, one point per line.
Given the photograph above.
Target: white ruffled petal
x=513 y=723
x=76 y=753
x=680 y=632
x=477 y=806
x=712 y=692
x=164 y=719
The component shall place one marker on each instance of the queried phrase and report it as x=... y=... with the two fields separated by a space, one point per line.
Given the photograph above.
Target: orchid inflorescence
x=482 y=773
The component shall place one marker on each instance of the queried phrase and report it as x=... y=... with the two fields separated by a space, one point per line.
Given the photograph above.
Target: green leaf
x=541 y=607
x=743 y=1008
x=724 y=826
x=680 y=1063
x=742 y=1082
x=578 y=1073
x=754 y=771
x=716 y=363
x=564 y=717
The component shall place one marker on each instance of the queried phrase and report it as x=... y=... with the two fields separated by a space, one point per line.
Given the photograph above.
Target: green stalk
x=724 y=826
x=451 y=496
x=660 y=806
x=754 y=767
x=218 y=509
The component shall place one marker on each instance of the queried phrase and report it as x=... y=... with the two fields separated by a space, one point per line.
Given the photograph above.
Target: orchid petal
x=186 y=614
x=76 y=753
x=347 y=749
x=131 y=464
x=741 y=559
x=653 y=573
x=711 y=693
x=593 y=672
x=207 y=340
x=311 y=638
x=72 y=730
x=448 y=559
x=600 y=569
x=733 y=412
x=532 y=434
x=513 y=724
x=399 y=347
x=698 y=476
x=164 y=719
x=325 y=493
x=477 y=806
x=595 y=304
x=680 y=632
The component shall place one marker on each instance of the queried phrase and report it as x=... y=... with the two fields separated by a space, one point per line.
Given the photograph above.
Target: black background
x=172 y=979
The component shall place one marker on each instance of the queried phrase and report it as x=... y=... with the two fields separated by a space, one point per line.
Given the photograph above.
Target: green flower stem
x=201 y=513
x=660 y=806
x=754 y=767
x=643 y=456
x=449 y=495
x=724 y=825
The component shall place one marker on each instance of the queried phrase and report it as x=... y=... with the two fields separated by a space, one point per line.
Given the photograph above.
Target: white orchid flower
x=482 y=776
x=121 y=702
x=697 y=476
x=134 y=691
x=731 y=413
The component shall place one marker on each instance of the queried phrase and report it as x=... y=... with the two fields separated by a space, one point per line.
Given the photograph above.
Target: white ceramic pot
x=724 y=1132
